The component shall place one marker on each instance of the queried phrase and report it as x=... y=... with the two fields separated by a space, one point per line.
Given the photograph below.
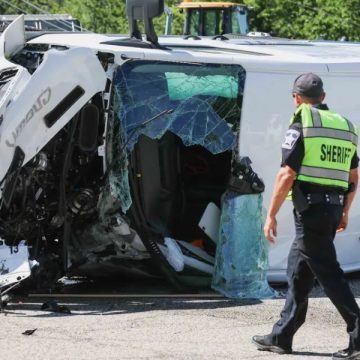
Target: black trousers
x=313 y=255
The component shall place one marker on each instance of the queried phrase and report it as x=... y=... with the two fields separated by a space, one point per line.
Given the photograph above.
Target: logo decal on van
x=40 y=102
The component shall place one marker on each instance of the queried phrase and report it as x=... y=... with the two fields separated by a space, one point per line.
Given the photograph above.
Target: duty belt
x=325 y=198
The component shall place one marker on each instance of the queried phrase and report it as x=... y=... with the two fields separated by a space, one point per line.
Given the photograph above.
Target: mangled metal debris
x=14 y=264
x=29 y=332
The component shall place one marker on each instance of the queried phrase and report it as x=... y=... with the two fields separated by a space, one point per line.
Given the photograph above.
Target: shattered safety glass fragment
x=117 y=162
x=199 y=103
x=242 y=251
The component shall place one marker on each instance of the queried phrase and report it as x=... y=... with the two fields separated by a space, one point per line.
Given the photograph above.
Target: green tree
x=29 y=7
x=308 y=19
x=110 y=16
x=103 y=16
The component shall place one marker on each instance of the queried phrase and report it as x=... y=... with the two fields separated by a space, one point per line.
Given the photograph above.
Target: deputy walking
x=319 y=165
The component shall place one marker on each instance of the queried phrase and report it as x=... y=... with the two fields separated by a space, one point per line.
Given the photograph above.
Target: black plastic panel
x=64 y=105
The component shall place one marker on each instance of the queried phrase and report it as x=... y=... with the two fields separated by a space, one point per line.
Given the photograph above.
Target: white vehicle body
x=270 y=66
x=14 y=265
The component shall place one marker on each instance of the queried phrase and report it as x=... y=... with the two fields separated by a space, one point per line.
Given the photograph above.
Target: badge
x=290 y=139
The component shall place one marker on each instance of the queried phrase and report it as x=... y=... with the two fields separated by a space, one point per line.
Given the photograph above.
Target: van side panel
x=266 y=112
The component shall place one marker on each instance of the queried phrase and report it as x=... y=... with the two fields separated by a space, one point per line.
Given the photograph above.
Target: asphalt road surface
x=163 y=328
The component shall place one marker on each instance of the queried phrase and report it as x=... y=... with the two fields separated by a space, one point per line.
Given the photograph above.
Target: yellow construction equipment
x=214 y=18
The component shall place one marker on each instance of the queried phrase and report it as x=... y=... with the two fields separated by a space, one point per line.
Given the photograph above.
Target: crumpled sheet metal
x=14 y=264
x=242 y=251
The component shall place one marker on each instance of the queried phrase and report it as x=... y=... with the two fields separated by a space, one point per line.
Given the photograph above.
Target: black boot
x=348 y=353
x=265 y=343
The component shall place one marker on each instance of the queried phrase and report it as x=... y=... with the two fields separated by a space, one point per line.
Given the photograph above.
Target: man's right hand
x=343 y=222
x=283 y=183
x=270 y=229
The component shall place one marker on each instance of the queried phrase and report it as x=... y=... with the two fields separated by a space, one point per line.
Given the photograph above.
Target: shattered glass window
x=118 y=184
x=200 y=103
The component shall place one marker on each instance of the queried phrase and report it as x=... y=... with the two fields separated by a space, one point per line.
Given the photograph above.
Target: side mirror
x=144 y=10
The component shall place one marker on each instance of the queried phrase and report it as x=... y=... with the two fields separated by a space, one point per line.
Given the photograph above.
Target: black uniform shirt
x=293 y=145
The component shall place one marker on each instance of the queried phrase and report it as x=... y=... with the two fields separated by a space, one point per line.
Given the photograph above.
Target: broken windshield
x=201 y=103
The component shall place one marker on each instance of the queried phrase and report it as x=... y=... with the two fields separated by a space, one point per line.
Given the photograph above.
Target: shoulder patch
x=290 y=139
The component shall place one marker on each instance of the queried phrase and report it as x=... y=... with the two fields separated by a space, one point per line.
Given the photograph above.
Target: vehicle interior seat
x=159 y=181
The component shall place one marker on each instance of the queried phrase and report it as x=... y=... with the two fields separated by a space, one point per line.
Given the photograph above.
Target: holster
x=299 y=199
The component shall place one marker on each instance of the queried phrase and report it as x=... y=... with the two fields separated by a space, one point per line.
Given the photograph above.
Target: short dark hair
x=313 y=100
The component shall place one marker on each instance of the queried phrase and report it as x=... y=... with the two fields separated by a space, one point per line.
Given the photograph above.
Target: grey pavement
x=158 y=328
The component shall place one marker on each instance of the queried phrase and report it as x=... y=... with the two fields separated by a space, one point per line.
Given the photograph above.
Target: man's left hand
x=343 y=222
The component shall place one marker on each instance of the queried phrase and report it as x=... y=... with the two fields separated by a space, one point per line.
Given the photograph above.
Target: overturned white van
x=110 y=145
